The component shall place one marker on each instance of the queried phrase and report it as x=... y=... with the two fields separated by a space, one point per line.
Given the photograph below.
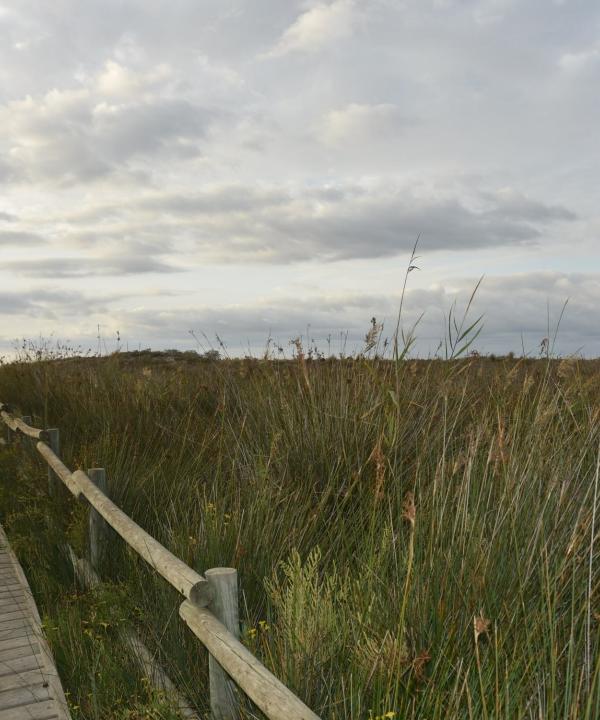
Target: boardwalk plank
x=11 y=589
x=24 y=680
x=19 y=632
x=29 y=685
x=13 y=613
x=20 y=695
x=19 y=665
x=25 y=650
x=44 y=710
x=13 y=623
x=8 y=644
x=6 y=600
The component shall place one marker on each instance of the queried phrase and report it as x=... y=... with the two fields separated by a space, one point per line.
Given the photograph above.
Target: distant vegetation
x=415 y=539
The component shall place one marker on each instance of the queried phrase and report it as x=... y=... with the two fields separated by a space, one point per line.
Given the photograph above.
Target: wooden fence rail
x=210 y=608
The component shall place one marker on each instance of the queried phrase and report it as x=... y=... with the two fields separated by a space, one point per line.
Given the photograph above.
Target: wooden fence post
x=54 y=443
x=224 y=700
x=97 y=524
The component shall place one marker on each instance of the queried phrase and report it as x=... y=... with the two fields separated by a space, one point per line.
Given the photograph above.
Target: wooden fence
x=210 y=607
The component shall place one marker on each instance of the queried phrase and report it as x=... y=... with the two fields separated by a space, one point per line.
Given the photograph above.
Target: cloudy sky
x=263 y=167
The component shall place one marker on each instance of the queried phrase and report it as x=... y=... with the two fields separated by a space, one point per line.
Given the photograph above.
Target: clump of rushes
x=412 y=537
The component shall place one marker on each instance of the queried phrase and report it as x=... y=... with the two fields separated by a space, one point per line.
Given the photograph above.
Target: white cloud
x=136 y=143
x=75 y=135
x=574 y=62
x=116 y=80
x=317 y=27
x=357 y=122
x=217 y=74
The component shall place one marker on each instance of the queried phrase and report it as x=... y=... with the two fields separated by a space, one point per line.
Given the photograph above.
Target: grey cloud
x=346 y=222
x=70 y=267
x=49 y=304
x=83 y=38
x=386 y=227
x=223 y=199
x=487 y=119
x=329 y=223
x=231 y=198
x=445 y=62
x=20 y=237
x=68 y=137
x=514 y=307
x=14 y=303
x=282 y=320
x=149 y=127
x=517 y=306
x=64 y=160
x=7 y=171
x=7 y=217
x=520 y=207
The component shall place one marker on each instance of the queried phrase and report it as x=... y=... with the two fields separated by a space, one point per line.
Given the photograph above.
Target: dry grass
x=414 y=538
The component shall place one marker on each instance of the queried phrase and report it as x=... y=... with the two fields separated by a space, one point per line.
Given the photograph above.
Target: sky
x=173 y=172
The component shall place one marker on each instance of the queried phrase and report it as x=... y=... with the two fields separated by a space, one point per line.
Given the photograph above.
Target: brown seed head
x=409 y=510
x=481 y=625
x=378 y=459
x=419 y=663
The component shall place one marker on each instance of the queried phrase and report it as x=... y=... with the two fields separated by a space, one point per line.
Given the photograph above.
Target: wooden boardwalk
x=30 y=688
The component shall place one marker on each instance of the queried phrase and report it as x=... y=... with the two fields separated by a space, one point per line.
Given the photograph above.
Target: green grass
x=302 y=475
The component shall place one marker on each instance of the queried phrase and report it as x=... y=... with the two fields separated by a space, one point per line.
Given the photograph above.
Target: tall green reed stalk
x=375 y=511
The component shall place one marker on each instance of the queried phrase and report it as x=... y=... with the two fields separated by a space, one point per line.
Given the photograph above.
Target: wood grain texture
x=187 y=581
x=224 y=698
x=19 y=425
x=269 y=694
x=30 y=688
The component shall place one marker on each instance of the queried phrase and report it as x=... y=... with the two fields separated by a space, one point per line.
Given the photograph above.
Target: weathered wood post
x=54 y=483
x=224 y=700
x=98 y=526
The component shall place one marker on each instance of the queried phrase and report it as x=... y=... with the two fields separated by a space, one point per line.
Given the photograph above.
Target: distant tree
x=210 y=355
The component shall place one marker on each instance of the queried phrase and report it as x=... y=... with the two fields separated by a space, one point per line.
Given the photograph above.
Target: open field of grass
x=414 y=539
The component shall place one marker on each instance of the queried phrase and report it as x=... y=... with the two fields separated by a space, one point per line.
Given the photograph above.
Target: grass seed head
x=481 y=625
x=409 y=509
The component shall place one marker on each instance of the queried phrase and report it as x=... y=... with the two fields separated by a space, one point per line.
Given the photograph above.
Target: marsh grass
x=414 y=539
